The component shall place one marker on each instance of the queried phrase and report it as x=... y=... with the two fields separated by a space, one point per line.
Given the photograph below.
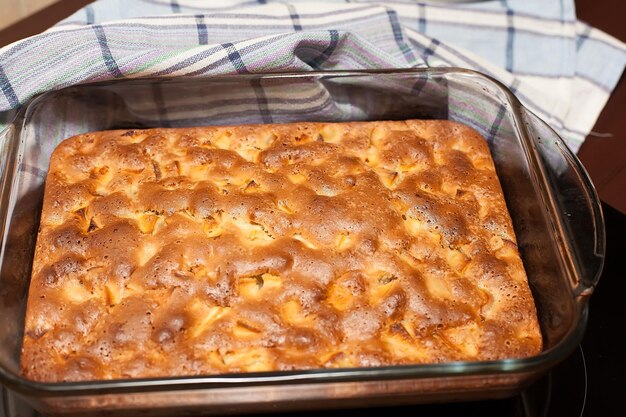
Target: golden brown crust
x=210 y=250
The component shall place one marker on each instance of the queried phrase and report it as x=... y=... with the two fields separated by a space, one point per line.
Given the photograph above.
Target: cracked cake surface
x=212 y=250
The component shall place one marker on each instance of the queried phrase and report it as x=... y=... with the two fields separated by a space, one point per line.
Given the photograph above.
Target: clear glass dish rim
x=538 y=363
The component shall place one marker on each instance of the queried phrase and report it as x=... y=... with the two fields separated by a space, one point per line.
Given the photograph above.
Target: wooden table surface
x=604 y=155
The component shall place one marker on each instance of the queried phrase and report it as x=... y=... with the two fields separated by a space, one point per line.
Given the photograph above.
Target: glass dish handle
x=5 y=139
x=576 y=203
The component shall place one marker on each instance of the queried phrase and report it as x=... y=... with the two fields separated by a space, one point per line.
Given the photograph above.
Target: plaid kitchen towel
x=562 y=69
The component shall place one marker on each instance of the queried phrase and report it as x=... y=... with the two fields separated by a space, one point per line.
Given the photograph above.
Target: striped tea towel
x=562 y=69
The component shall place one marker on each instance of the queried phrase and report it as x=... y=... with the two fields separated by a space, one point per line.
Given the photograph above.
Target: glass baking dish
x=554 y=207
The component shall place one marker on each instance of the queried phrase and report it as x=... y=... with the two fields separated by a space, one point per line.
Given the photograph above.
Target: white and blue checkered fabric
x=560 y=68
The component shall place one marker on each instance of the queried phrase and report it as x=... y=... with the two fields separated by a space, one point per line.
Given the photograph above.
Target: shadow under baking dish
x=555 y=211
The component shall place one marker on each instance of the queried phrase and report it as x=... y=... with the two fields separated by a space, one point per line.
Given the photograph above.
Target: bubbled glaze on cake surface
x=170 y=252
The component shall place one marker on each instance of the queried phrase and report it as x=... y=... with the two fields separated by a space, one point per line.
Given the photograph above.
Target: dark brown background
x=604 y=157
